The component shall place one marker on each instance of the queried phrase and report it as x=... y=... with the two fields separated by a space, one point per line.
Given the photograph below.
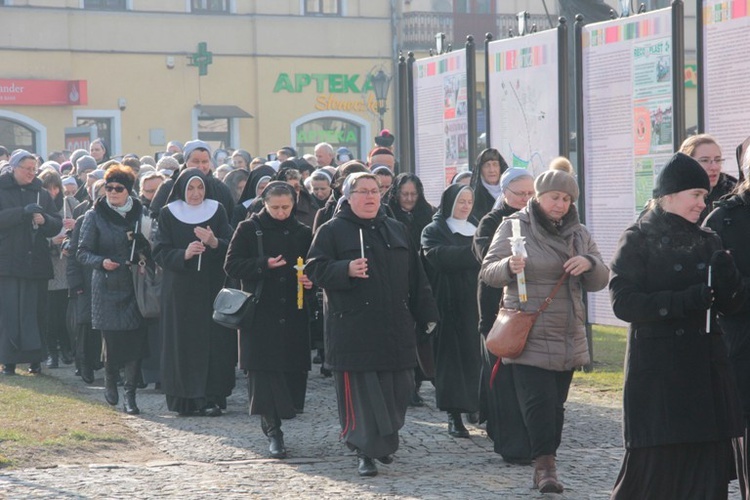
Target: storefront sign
x=43 y=92
x=330 y=87
x=79 y=137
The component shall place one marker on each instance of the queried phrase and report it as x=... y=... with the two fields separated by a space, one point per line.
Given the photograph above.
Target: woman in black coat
x=485 y=181
x=681 y=410
x=731 y=221
x=28 y=217
x=498 y=400
x=453 y=271
x=105 y=245
x=373 y=304
x=275 y=349
x=198 y=356
x=406 y=200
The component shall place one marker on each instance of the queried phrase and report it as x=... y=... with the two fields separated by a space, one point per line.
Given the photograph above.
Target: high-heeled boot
x=110 y=383
x=132 y=375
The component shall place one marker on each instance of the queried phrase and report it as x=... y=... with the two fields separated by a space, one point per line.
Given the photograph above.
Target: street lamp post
x=380 y=83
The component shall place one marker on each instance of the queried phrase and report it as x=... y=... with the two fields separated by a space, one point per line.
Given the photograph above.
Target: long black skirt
x=372 y=408
x=280 y=394
x=685 y=471
x=505 y=425
x=151 y=366
x=20 y=320
x=123 y=346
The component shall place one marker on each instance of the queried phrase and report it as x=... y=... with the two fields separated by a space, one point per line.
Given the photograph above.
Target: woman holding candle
x=198 y=356
x=556 y=243
x=275 y=349
x=374 y=305
x=105 y=245
x=681 y=414
x=452 y=269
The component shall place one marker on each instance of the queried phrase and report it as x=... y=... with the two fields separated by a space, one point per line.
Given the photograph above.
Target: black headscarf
x=252 y=182
x=267 y=218
x=180 y=186
x=421 y=214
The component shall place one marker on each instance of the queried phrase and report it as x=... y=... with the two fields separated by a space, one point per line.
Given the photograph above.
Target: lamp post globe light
x=380 y=83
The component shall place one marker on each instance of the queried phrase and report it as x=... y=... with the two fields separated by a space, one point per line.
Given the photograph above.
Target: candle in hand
x=300 y=267
x=519 y=250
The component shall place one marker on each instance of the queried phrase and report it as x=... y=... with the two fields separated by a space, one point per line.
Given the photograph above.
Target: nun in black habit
x=198 y=356
x=485 y=181
x=275 y=350
x=453 y=271
x=254 y=186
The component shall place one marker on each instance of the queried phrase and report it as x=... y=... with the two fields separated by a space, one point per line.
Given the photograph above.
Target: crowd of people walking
x=349 y=261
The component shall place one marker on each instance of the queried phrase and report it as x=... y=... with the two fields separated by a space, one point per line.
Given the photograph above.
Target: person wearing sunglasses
x=706 y=151
x=28 y=217
x=105 y=245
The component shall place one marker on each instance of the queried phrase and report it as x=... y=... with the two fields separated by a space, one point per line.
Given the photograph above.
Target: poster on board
x=726 y=97
x=628 y=114
x=441 y=125
x=524 y=99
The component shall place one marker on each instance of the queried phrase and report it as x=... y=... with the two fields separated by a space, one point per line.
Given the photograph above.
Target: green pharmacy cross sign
x=202 y=58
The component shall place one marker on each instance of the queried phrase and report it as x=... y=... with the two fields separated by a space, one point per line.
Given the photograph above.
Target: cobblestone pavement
x=226 y=457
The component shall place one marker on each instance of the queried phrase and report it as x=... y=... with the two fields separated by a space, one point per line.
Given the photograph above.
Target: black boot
x=9 y=369
x=456 y=425
x=132 y=374
x=416 y=399
x=35 y=368
x=271 y=426
x=365 y=465
x=87 y=374
x=111 y=374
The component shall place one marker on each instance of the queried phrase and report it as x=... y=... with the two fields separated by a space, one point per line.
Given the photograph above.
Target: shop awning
x=208 y=111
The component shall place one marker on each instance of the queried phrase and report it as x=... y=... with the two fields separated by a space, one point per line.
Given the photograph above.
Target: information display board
x=441 y=126
x=628 y=113
x=524 y=99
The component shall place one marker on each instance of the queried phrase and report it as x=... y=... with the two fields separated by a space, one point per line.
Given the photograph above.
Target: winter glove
x=726 y=279
x=697 y=297
x=33 y=208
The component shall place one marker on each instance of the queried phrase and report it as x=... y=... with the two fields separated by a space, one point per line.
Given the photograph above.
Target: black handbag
x=234 y=308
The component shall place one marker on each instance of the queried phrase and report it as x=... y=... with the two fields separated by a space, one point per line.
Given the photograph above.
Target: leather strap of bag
x=551 y=296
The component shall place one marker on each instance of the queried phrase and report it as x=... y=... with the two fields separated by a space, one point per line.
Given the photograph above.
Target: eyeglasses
x=710 y=161
x=365 y=192
x=521 y=194
x=116 y=189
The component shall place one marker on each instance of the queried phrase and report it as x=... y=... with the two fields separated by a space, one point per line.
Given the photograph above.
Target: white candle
x=708 y=313
x=519 y=250
x=199 y=261
x=361 y=243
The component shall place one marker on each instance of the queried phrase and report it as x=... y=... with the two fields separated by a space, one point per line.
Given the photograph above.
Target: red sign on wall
x=43 y=92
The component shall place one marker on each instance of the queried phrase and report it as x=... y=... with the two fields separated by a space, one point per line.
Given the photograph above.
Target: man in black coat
x=197 y=155
x=27 y=218
x=376 y=293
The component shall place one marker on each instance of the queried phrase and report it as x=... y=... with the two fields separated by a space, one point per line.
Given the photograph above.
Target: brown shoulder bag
x=511 y=328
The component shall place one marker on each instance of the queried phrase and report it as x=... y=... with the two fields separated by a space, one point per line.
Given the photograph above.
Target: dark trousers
x=56 y=332
x=541 y=396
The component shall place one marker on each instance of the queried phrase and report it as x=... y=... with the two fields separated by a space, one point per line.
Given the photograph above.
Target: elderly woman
x=517 y=188
x=28 y=217
x=452 y=269
x=557 y=246
x=275 y=349
x=485 y=180
x=681 y=413
x=705 y=149
x=406 y=200
x=376 y=292
x=105 y=245
x=198 y=356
